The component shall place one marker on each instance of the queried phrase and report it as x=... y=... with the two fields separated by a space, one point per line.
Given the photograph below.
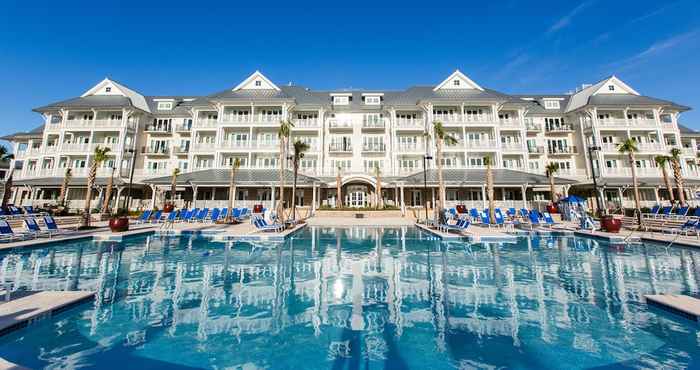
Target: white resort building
x=350 y=132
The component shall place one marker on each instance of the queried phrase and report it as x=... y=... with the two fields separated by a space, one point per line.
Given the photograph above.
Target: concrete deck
x=683 y=305
x=33 y=306
x=351 y=221
x=7 y=365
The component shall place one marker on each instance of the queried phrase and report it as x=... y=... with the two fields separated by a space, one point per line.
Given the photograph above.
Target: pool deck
x=474 y=233
x=369 y=221
x=683 y=305
x=30 y=307
x=7 y=365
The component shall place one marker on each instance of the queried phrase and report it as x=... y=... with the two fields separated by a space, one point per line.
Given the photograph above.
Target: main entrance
x=356 y=196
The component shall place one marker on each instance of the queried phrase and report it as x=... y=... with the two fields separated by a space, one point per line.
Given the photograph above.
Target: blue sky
x=56 y=50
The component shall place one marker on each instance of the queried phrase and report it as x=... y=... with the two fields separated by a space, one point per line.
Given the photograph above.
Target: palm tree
x=173 y=185
x=283 y=133
x=5 y=156
x=661 y=162
x=489 y=189
x=677 y=174
x=99 y=156
x=64 y=187
x=108 y=193
x=338 y=188
x=629 y=147
x=551 y=169
x=299 y=148
x=441 y=138
x=235 y=165
x=377 y=175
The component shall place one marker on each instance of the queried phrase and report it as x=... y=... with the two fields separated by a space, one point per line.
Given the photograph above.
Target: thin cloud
x=659 y=46
x=566 y=20
x=653 y=13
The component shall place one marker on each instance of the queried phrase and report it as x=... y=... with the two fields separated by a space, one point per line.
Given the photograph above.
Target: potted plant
x=119 y=221
x=610 y=224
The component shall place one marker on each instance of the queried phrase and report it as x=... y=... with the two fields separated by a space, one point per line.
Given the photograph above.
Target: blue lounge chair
x=224 y=214
x=587 y=223
x=30 y=210
x=653 y=213
x=474 y=214
x=459 y=226
x=52 y=226
x=6 y=233
x=260 y=224
x=201 y=215
x=665 y=211
x=214 y=214
x=688 y=226
x=157 y=216
x=511 y=212
x=33 y=227
x=172 y=216
x=696 y=213
x=145 y=216
x=186 y=216
x=681 y=212
x=485 y=220
x=524 y=213
x=500 y=219
x=534 y=218
x=548 y=220
x=245 y=213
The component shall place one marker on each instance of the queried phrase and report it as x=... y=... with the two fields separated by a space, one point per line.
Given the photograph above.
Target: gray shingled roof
x=181 y=107
x=631 y=100
x=417 y=94
x=642 y=181
x=687 y=131
x=473 y=177
x=221 y=176
x=33 y=134
x=95 y=101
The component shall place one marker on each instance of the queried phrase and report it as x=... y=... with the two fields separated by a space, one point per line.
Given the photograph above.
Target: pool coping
x=55 y=303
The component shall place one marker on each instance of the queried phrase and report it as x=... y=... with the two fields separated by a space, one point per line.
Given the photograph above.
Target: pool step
x=34 y=306
x=679 y=304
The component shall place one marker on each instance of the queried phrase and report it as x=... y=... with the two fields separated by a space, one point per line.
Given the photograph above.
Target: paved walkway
x=351 y=221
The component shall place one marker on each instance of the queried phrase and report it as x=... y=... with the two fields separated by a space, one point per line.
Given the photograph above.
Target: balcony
x=236 y=118
x=113 y=147
x=267 y=119
x=78 y=123
x=533 y=127
x=535 y=150
x=180 y=150
x=509 y=123
x=642 y=147
x=157 y=129
x=627 y=172
x=183 y=127
x=234 y=145
x=205 y=123
x=512 y=147
x=449 y=119
x=108 y=123
x=410 y=124
x=337 y=125
x=340 y=148
x=482 y=144
x=374 y=148
x=82 y=148
x=567 y=150
x=81 y=124
x=566 y=127
x=310 y=123
x=159 y=151
x=152 y=172
x=373 y=124
x=265 y=145
x=410 y=148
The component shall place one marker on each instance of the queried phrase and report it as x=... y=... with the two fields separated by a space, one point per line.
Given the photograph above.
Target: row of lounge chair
x=193 y=215
x=672 y=212
x=532 y=217
x=12 y=212
x=32 y=230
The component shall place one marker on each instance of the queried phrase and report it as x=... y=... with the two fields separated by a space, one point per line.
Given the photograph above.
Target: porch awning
x=477 y=177
x=221 y=177
x=642 y=181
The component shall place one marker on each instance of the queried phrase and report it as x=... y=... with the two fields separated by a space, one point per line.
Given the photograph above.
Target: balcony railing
x=627 y=172
x=339 y=124
x=509 y=122
x=567 y=127
x=183 y=127
x=373 y=124
x=205 y=123
x=512 y=147
x=482 y=144
x=155 y=150
x=410 y=123
x=236 y=118
x=642 y=147
x=567 y=150
x=307 y=123
x=163 y=129
x=410 y=148
x=374 y=148
x=535 y=149
x=534 y=127
x=180 y=150
x=234 y=144
x=76 y=147
x=152 y=172
x=340 y=148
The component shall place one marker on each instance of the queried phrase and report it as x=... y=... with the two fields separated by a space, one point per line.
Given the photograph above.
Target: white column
x=194 y=196
x=483 y=196
x=313 y=201
x=272 y=196
x=153 y=196
x=403 y=204
x=432 y=204
x=656 y=195
x=621 y=195
x=524 y=189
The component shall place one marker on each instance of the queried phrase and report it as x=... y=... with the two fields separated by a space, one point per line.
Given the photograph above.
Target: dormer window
x=611 y=87
x=455 y=83
x=341 y=100
x=551 y=104
x=108 y=89
x=165 y=105
x=258 y=83
x=373 y=100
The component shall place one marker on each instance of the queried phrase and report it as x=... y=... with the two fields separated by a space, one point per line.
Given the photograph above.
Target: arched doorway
x=357 y=195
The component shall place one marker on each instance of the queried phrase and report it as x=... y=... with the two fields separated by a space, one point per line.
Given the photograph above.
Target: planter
x=551 y=208
x=169 y=207
x=610 y=224
x=118 y=225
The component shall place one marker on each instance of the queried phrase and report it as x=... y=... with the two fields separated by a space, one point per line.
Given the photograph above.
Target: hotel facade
x=350 y=133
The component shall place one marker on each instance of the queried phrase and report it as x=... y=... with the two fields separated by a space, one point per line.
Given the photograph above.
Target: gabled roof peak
x=110 y=87
x=256 y=81
x=459 y=81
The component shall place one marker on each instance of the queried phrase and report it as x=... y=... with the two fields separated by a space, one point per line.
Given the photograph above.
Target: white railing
x=307 y=123
x=108 y=123
x=267 y=118
x=534 y=127
x=374 y=148
x=234 y=144
x=627 y=172
x=409 y=123
x=81 y=148
x=183 y=127
x=482 y=144
x=340 y=148
x=97 y=124
x=410 y=148
x=509 y=122
x=268 y=145
x=334 y=123
x=642 y=122
x=373 y=124
x=612 y=122
x=236 y=118
x=512 y=146
x=204 y=123
x=112 y=146
x=642 y=147
x=152 y=172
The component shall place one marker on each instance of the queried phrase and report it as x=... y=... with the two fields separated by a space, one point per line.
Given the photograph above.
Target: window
x=165 y=105
x=108 y=89
x=258 y=83
x=373 y=100
x=341 y=100
x=611 y=87
x=455 y=83
x=551 y=104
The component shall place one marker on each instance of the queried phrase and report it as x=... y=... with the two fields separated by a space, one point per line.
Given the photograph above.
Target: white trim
x=461 y=76
x=253 y=77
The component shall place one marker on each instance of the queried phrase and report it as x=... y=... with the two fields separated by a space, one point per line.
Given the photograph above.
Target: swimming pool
x=355 y=298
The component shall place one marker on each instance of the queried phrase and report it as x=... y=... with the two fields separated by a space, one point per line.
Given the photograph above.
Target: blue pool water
x=356 y=298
